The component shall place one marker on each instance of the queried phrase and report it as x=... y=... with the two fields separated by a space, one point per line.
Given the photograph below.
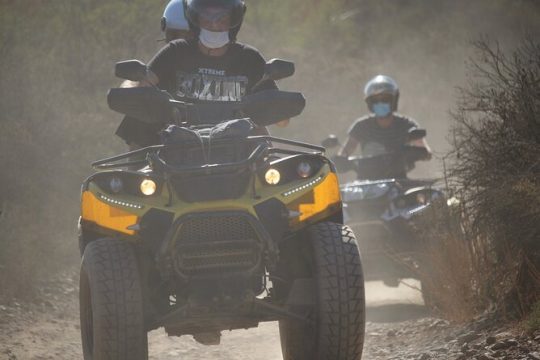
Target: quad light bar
x=121 y=203
x=303 y=187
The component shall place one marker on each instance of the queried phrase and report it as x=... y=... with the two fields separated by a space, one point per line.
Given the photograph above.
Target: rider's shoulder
x=405 y=120
x=361 y=125
x=247 y=50
x=246 y=47
x=181 y=43
x=365 y=120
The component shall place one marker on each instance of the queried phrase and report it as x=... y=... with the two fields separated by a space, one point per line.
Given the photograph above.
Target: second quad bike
x=217 y=230
x=383 y=206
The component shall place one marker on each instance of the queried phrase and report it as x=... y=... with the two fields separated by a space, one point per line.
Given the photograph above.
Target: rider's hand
x=423 y=144
x=151 y=79
x=283 y=123
x=342 y=163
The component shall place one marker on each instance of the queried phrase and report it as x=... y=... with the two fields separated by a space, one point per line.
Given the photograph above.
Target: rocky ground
x=398 y=327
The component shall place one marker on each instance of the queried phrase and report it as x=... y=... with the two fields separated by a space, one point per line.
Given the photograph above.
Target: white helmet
x=173 y=17
x=382 y=86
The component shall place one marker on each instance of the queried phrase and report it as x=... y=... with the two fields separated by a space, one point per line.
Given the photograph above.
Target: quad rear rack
x=154 y=159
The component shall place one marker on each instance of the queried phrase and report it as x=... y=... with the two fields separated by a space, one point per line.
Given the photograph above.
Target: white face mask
x=214 y=40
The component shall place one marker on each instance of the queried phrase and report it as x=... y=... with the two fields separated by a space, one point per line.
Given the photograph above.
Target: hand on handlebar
x=342 y=163
x=283 y=123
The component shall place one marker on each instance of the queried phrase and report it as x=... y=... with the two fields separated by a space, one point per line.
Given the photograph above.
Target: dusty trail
x=263 y=343
x=398 y=328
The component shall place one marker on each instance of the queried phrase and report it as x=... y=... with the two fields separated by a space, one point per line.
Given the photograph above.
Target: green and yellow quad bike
x=217 y=230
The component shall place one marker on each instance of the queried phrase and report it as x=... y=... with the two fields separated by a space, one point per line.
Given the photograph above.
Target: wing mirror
x=415 y=134
x=330 y=142
x=133 y=70
x=277 y=69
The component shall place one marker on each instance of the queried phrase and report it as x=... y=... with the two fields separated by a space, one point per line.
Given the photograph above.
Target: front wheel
x=111 y=305
x=337 y=330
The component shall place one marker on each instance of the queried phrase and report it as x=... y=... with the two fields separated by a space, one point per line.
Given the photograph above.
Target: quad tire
x=111 y=303
x=338 y=317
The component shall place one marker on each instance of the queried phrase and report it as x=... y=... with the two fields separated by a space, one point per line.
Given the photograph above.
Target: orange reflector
x=105 y=215
x=324 y=195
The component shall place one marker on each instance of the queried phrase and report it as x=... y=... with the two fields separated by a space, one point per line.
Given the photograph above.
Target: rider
x=212 y=67
x=175 y=26
x=383 y=131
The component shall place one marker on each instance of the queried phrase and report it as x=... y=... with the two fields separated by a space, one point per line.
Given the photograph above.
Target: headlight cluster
x=366 y=191
x=116 y=184
x=290 y=169
x=303 y=170
x=418 y=198
x=133 y=185
x=353 y=193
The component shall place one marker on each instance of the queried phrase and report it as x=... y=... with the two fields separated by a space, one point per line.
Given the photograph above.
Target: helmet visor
x=215 y=15
x=380 y=98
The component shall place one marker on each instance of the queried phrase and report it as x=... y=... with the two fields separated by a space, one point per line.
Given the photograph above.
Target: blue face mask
x=381 y=109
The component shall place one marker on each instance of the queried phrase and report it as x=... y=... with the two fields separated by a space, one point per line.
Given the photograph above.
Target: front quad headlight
x=304 y=170
x=421 y=198
x=148 y=187
x=272 y=176
x=116 y=184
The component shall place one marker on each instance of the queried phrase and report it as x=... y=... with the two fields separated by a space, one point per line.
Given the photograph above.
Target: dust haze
x=57 y=61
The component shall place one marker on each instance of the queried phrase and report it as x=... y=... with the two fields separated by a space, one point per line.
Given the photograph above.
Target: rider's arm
x=256 y=59
x=353 y=140
x=156 y=68
x=422 y=143
x=260 y=131
x=419 y=142
x=349 y=147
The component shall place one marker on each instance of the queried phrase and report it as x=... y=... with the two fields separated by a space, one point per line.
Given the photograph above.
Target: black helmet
x=195 y=9
x=382 y=87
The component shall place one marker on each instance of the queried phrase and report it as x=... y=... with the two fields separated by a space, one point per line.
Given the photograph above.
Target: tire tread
x=119 y=331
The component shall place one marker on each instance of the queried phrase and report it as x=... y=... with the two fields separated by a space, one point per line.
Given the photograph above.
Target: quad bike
x=382 y=207
x=217 y=230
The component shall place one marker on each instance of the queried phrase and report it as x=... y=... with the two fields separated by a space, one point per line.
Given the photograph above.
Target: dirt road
x=398 y=328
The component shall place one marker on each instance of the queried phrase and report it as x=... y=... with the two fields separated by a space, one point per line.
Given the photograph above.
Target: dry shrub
x=493 y=257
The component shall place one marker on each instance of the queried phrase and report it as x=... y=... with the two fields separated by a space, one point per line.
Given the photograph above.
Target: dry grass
x=533 y=322
x=448 y=266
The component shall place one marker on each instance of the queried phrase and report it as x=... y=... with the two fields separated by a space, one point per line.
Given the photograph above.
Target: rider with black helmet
x=383 y=130
x=212 y=67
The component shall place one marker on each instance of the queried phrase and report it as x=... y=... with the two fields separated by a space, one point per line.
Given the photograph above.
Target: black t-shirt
x=192 y=76
x=370 y=135
x=189 y=75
